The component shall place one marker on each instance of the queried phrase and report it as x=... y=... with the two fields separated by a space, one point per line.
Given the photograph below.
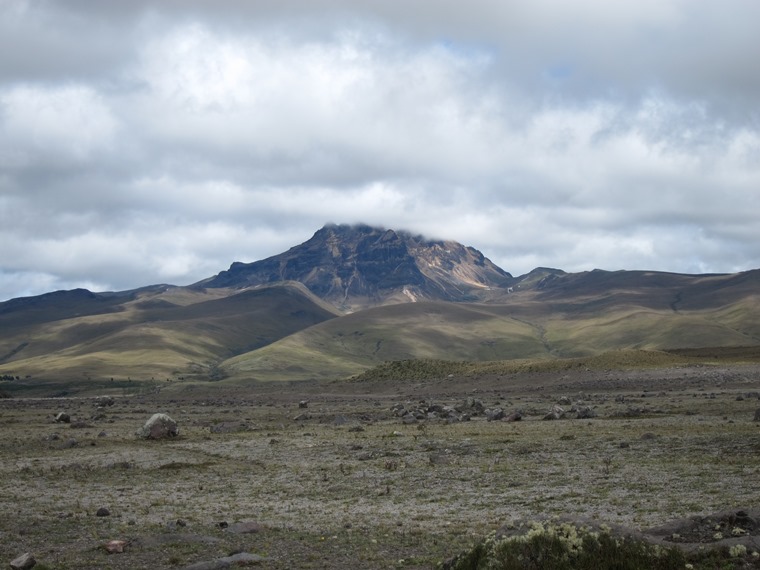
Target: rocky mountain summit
x=359 y=266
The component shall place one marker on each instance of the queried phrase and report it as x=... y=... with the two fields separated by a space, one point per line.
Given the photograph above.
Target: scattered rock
x=23 y=562
x=564 y=401
x=235 y=560
x=103 y=512
x=115 y=546
x=303 y=404
x=159 y=426
x=63 y=418
x=229 y=427
x=244 y=528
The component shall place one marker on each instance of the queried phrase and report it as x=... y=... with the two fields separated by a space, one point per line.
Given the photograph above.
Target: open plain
x=340 y=475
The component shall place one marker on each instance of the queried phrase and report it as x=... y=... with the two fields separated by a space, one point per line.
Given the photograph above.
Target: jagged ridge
x=360 y=266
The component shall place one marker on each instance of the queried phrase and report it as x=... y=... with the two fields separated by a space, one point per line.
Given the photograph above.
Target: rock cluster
x=461 y=412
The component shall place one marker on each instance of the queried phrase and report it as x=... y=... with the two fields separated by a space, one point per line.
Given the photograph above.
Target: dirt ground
x=347 y=482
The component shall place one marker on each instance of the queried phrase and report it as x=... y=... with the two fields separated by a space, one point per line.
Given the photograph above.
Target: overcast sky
x=146 y=142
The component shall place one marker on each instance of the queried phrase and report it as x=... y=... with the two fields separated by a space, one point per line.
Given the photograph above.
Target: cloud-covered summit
x=147 y=142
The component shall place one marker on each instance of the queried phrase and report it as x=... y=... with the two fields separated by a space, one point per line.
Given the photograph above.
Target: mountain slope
x=547 y=314
x=400 y=297
x=355 y=267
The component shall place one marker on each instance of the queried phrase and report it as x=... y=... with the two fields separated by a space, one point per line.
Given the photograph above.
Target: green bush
x=566 y=546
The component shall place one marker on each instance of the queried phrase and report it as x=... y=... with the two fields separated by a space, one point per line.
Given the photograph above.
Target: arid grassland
x=344 y=481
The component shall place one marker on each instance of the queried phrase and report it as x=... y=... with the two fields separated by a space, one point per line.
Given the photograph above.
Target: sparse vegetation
x=350 y=484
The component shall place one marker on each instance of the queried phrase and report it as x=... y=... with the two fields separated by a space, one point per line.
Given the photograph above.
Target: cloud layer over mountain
x=145 y=142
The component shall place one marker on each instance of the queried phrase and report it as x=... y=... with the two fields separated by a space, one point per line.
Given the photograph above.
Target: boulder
x=556 y=413
x=23 y=562
x=159 y=426
x=104 y=401
x=63 y=418
x=495 y=414
x=585 y=413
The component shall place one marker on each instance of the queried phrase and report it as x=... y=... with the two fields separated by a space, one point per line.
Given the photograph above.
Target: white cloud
x=69 y=123
x=142 y=143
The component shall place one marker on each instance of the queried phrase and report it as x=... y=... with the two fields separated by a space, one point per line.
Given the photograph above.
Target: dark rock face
x=364 y=266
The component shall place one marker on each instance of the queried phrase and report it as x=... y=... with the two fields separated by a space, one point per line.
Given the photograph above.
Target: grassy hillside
x=284 y=332
x=347 y=345
x=176 y=332
x=526 y=330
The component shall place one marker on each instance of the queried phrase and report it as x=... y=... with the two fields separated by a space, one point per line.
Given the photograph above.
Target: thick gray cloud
x=145 y=142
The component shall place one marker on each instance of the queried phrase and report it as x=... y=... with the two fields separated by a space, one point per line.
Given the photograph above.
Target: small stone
x=63 y=418
x=103 y=512
x=303 y=404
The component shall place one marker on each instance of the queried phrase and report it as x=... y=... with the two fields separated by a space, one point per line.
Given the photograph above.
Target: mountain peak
x=356 y=266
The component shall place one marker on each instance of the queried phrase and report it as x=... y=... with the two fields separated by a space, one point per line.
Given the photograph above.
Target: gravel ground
x=350 y=484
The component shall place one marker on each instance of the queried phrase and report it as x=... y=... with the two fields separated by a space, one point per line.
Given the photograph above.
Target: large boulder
x=159 y=426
